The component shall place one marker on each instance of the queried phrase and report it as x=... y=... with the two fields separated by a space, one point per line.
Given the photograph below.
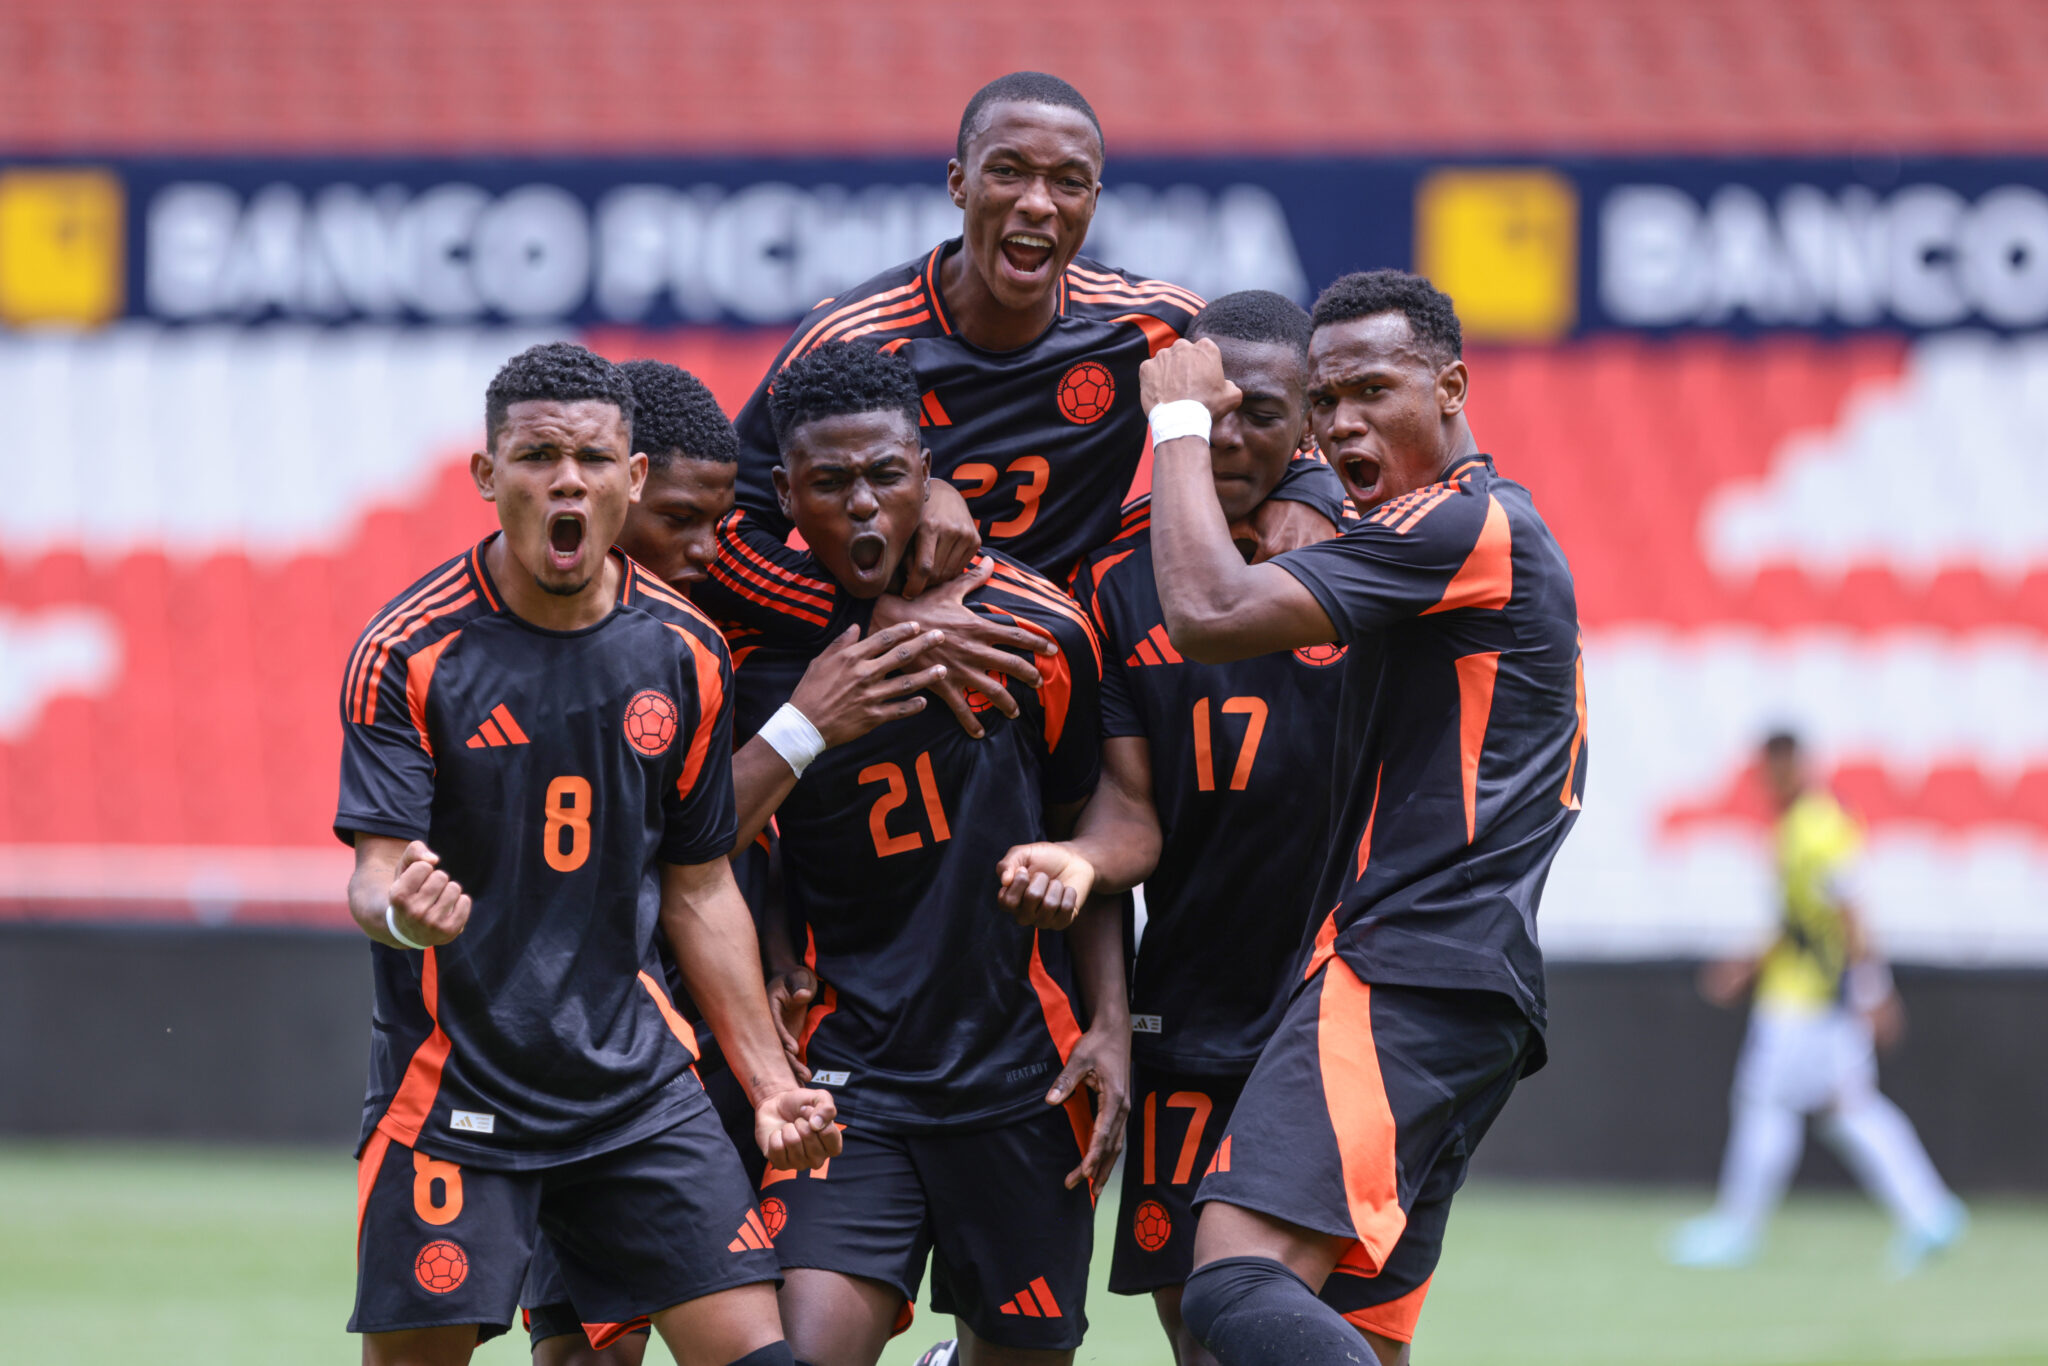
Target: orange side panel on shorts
x=1356 y=1097
x=367 y=1167
x=1395 y=1319
x=603 y=1335
x=422 y=1082
x=677 y=1025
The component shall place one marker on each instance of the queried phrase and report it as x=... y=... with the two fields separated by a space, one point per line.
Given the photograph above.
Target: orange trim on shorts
x=1395 y=1319
x=1356 y=1097
x=603 y=1335
x=367 y=1167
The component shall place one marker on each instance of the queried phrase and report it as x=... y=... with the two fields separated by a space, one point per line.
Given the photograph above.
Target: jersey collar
x=937 y=296
x=489 y=588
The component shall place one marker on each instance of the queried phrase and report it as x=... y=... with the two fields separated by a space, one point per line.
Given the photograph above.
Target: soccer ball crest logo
x=441 y=1267
x=1151 y=1226
x=774 y=1214
x=651 y=722
x=1086 y=391
x=1321 y=656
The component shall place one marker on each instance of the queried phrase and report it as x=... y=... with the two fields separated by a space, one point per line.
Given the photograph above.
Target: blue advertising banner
x=1532 y=251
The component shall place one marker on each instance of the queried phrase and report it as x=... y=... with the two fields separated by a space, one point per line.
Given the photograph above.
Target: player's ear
x=484 y=472
x=1451 y=388
x=781 y=476
x=636 y=472
x=956 y=182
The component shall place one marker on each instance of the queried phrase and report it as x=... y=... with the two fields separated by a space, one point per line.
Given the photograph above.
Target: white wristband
x=1870 y=984
x=1182 y=417
x=790 y=733
x=391 y=924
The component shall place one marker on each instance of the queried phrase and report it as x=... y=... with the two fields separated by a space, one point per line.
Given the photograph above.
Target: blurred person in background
x=1824 y=1003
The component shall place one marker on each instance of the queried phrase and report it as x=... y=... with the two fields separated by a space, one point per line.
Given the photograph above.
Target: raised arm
x=1218 y=608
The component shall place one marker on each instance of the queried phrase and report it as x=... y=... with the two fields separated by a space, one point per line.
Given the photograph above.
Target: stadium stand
x=1306 y=75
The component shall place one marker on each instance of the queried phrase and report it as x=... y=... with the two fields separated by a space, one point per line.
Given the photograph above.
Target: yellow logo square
x=61 y=239
x=1504 y=244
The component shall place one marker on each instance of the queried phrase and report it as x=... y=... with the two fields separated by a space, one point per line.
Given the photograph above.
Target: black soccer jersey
x=935 y=1009
x=1241 y=780
x=1044 y=441
x=551 y=771
x=1460 y=737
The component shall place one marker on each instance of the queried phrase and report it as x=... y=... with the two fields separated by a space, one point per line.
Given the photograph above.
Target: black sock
x=1252 y=1311
x=774 y=1354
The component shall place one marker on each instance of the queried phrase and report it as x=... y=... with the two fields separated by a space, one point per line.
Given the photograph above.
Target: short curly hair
x=676 y=418
x=1022 y=87
x=839 y=378
x=1361 y=294
x=562 y=372
x=1255 y=315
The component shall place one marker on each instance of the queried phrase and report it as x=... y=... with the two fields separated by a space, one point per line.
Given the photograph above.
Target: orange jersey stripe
x=710 y=697
x=1058 y=1010
x=1487 y=578
x=728 y=580
x=734 y=582
x=1427 y=506
x=419 y=676
x=677 y=1025
x=424 y=620
x=871 y=301
x=732 y=571
x=853 y=324
x=414 y=1101
x=483 y=580
x=1085 y=278
x=889 y=326
x=374 y=633
x=1476 y=674
x=728 y=530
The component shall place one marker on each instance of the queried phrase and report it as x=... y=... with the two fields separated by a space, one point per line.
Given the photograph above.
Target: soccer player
x=949 y=1032
x=849 y=690
x=533 y=781
x=1026 y=357
x=1229 y=764
x=1823 y=1000
x=1459 y=740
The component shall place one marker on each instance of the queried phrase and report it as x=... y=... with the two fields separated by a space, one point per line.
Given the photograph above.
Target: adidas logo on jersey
x=498 y=729
x=1035 y=1301
x=1155 y=648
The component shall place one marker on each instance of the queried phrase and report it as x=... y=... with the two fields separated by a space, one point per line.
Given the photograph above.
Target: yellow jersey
x=1816 y=842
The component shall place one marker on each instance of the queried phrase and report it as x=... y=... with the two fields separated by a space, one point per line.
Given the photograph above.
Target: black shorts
x=1008 y=1242
x=655 y=1223
x=1177 y=1124
x=550 y=1311
x=1360 y=1121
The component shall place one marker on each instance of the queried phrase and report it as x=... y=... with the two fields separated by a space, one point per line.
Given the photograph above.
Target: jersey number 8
x=568 y=813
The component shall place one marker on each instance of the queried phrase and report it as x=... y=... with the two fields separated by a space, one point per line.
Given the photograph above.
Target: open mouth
x=1028 y=253
x=565 y=540
x=866 y=550
x=1362 y=473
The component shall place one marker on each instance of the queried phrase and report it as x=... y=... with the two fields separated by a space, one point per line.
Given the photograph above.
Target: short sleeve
x=768 y=586
x=1071 y=699
x=1400 y=562
x=700 y=815
x=1119 y=707
x=387 y=767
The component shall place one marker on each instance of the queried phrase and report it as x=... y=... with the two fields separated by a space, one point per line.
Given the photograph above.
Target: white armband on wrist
x=391 y=924
x=1182 y=417
x=790 y=733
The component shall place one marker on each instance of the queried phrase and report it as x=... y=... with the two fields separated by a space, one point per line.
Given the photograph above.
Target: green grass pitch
x=111 y=1256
